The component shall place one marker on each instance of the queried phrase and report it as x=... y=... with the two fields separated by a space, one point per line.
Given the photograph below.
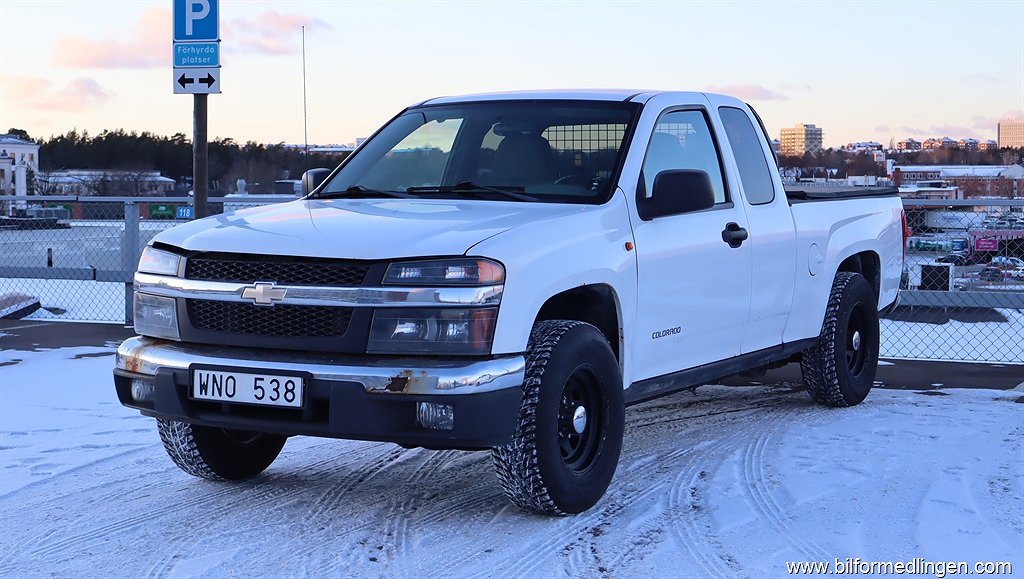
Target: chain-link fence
x=962 y=298
x=72 y=258
x=963 y=283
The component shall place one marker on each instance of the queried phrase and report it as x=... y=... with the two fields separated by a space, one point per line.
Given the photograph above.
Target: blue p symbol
x=195 y=20
x=191 y=14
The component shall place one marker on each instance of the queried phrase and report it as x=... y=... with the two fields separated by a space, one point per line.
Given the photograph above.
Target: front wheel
x=840 y=368
x=566 y=445
x=218 y=453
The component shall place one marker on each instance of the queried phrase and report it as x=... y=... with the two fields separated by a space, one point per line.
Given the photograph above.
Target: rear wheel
x=566 y=446
x=840 y=369
x=218 y=453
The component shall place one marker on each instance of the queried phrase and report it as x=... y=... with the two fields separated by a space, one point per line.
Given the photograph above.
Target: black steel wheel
x=580 y=429
x=566 y=445
x=839 y=369
x=856 y=340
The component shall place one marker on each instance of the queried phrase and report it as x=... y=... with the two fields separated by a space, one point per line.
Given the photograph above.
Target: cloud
x=882 y=129
x=1015 y=115
x=147 y=46
x=748 y=92
x=983 y=122
x=36 y=93
x=269 y=33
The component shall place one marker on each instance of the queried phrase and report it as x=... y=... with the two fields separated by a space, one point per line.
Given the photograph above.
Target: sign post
x=197 y=72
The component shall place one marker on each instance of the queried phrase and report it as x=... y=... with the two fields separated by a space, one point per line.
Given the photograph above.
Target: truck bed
x=808 y=192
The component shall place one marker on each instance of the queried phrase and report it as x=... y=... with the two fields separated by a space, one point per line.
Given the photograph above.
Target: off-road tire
x=217 y=453
x=831 y=378
x=533 y=471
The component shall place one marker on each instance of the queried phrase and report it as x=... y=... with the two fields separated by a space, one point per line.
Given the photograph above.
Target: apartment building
x=1011 y=133
x=800 y=139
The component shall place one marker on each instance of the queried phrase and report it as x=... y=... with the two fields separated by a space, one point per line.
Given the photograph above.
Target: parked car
x=959 y=258
x=549 y=259
x=991 y=273
x=932 y=245
x=1005 y=262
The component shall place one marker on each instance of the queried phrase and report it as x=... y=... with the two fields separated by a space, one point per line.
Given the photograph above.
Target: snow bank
x=727 y=482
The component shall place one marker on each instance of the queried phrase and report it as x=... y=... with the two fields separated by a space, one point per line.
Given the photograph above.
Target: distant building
x=968 y=144
x=863 y=147
x=908 y=144
x=776 y=147
x=23 y=152
x=800 y=139
x=936 y=189
x=943 y=143
x=16 y=152
x=972 y=180
x=6 y=174
x=988 y=145
x=112 y=182
x=342 y=150
x=1011 y=133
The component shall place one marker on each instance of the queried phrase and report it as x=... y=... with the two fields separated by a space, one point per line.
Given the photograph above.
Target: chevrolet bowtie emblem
x=263 y=293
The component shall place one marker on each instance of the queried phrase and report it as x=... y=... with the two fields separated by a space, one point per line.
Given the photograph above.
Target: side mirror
x=678 y=191
x=312 y=179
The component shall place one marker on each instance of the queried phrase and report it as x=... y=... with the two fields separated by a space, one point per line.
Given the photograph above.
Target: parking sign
x=196 y=20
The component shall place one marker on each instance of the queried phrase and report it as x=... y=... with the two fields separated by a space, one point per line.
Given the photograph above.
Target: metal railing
x=76 y=256
x=962 y=298
x=962 y=292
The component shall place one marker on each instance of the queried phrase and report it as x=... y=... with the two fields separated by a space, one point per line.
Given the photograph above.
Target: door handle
x=734 y=235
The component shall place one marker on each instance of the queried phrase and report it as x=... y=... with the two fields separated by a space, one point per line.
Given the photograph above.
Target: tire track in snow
x=324 y=509
x=688 y=520
x=267 y=493
x=405 y=505
x=406 y=514
x=762 y=498
x=384 y=542
x=621 y=494
x=684 y=527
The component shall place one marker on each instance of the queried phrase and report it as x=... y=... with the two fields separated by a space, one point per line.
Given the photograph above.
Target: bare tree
x=46 y=184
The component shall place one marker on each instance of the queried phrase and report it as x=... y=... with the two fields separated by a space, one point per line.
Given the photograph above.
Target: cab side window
x=682 y=140
x=758 y=185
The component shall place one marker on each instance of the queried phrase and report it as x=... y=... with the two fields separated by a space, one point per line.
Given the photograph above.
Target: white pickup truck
x=509 y=272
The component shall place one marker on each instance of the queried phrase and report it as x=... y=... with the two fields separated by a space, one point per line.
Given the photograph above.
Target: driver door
x=693 y=294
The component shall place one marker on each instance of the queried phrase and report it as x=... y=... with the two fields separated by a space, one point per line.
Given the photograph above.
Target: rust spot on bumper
x=405 y=380
x=397 y=384
x=132 y=360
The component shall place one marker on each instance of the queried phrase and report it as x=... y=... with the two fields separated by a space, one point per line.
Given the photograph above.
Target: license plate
x=247 y=387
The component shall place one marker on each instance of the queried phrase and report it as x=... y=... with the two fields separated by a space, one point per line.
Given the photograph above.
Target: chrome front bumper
x=419 y=376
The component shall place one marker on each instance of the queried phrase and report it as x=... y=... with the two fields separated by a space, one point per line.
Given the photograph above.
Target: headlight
x=159 y=261
x=460 y=271
x=431 y=331
x=156 y=316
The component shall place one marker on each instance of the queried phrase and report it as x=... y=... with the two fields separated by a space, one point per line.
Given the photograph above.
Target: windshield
x=554 y=151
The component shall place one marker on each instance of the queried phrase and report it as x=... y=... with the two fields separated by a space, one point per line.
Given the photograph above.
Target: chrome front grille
x=281 y=320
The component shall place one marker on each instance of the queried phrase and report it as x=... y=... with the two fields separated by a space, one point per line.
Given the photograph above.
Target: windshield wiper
x=468 y=188
x=356 y=191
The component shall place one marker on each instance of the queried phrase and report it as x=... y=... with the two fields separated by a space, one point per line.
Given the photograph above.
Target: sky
x=860 y=70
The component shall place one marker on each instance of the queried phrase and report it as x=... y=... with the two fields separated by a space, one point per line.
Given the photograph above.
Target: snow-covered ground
x=725 y=482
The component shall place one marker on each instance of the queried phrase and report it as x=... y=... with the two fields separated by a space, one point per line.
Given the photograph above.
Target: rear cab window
x=755 y=174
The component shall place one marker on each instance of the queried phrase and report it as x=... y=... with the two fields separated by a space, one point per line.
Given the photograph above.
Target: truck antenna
x=305 y=125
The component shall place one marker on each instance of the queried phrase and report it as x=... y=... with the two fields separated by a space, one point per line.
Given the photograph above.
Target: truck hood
x=359 y=228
